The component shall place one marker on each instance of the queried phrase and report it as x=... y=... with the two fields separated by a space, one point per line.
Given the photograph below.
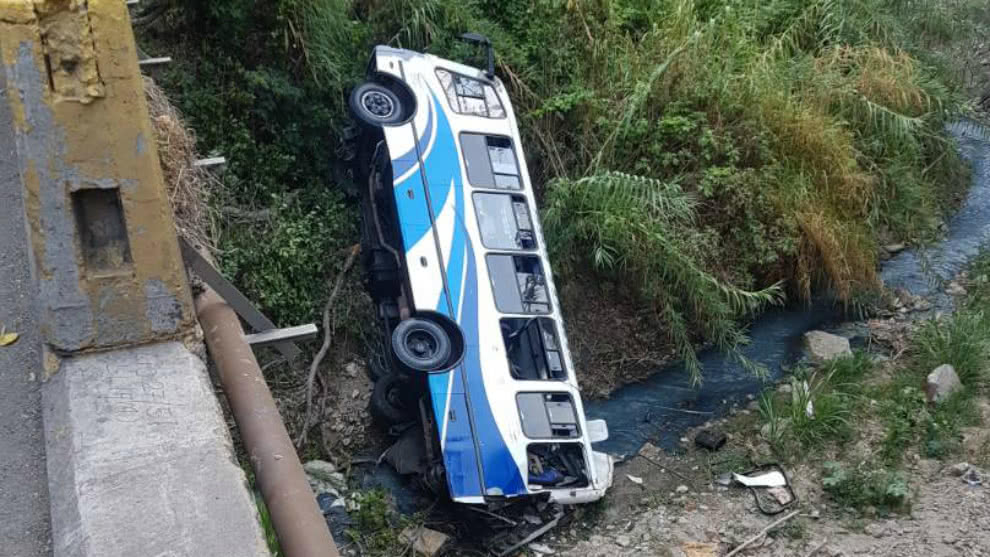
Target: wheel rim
x=378 y=104
x=422 y=345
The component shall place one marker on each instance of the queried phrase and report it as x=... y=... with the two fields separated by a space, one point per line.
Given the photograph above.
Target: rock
x=682 y=489
x=623 y=540
x=959 y=469
x=941 y=383
x=353 y=369
x=424 y=541
x=874 y=529
x=785 y=388
x=822 y=346
x=324 y=478
x=895 y=247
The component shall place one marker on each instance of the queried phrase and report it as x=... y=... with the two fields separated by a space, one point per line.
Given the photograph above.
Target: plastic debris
x=6 y=339
x=769 y=479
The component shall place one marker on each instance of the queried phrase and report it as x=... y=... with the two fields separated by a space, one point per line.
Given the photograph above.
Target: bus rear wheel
x=388 y=402
x=421 y=345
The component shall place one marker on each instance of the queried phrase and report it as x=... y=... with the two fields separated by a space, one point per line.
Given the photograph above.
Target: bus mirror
x=479 y=39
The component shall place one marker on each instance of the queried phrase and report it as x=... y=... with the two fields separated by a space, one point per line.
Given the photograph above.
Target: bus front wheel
x=375 y=104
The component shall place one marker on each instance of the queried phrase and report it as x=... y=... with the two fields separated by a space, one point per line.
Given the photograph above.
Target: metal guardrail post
x=302 y=530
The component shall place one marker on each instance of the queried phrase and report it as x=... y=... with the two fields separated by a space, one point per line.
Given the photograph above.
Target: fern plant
x=638 y=229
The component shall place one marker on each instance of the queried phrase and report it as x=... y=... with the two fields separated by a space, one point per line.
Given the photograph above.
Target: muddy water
x=666 y=405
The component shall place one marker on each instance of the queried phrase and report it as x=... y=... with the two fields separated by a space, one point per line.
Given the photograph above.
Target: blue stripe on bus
x=498 y=465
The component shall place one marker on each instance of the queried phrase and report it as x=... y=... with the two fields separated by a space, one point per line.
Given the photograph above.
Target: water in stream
x=650 y=410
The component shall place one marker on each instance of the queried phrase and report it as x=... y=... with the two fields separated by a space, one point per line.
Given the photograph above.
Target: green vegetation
x=864 y=486
x=819 y=408
x=707 y=156
x=373 y=529
x=271 y=538
x=883 y=406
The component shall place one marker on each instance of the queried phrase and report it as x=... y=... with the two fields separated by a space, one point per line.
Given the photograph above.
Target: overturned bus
x=455 y=261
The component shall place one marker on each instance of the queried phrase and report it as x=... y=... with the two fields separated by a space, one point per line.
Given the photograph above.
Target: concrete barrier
x=140 y=460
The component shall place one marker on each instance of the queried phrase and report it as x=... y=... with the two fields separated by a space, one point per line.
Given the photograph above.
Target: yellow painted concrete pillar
x=103 y=242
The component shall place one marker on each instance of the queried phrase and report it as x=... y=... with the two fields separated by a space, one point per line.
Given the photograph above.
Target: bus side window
x=491 y=161
x=532 y=348
x=518 y=283
x=504 y=221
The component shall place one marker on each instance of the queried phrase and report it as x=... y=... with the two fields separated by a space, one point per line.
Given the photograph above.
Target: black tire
x=387 y=403
x=375 y=105
x=421 y=345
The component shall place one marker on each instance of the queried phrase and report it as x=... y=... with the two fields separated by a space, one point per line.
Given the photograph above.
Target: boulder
x=959 y=469
x=822 y=346
x=324 y=478
x=941 y=383
x=424 y=541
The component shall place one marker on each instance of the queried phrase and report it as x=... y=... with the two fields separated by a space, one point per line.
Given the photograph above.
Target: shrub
x=860 y=487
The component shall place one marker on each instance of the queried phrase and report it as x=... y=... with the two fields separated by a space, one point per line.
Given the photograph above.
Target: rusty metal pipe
x=298 y=522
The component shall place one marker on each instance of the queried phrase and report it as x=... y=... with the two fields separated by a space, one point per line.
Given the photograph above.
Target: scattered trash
x=724 y=480
x=682 y=489
x=424 y=541
x=540 y=548
x=780 y=494
x=809 y=409
x=709 y=439
x=771 y=490
x=635 y=479
x=972 y=477
x=769 y=479
x=6 y=339
x=334 y=511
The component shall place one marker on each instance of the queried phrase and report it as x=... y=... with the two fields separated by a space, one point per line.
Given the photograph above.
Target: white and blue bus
x=456 y=263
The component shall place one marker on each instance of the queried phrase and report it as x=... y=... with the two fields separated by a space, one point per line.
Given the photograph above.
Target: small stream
x=651 y=410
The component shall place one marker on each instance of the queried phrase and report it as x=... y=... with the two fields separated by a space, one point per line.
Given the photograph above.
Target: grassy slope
x=693 y=154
